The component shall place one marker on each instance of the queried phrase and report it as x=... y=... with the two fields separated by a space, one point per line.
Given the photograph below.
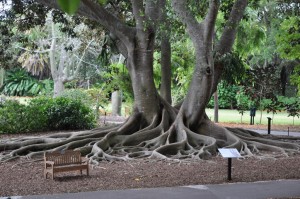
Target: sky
x=4 y=7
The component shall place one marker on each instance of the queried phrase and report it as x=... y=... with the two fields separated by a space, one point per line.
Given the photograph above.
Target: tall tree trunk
x=140 y=66
x=216 y=107
x=59 y=87
x=116 y=103
x=165 y=90
x=166 y=72
x=199 y=93
x=2 y=72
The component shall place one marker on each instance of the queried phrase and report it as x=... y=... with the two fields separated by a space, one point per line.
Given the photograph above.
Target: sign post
x=229 y=169
x=229 y=153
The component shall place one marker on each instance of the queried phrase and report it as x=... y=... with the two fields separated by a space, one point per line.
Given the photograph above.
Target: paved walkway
x=257 y=190
x=277 y=132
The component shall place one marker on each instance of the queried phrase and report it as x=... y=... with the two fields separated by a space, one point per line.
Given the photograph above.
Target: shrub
x=291 y=105
x=78 y=94
x=67 y=114
x=243 y=102
x=19 y=118
x=45 y=114
x=226 y=96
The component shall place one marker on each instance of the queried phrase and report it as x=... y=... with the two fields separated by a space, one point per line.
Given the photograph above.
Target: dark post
x=269 y=125
x=252 y=115
x=229 y=169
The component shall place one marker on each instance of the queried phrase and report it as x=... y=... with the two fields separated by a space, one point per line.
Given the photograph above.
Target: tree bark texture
x=59 y=87
x=165 y=89
x=216 y=107
x=2 y=73
x=201 y=85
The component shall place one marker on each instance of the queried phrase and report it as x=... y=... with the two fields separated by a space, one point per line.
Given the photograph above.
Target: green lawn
x=233 y=116
x=225 y=115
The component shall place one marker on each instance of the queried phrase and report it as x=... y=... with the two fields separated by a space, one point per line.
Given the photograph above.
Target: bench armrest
x=48 y=162
x=85 y=160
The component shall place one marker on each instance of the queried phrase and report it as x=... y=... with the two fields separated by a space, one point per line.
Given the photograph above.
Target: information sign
x=229 y=153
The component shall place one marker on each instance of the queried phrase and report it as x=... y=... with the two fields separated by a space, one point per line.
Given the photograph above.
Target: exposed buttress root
x=166 y=137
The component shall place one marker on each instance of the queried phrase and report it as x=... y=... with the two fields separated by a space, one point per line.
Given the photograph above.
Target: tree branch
x=153 y=11
x=54 y=71
x=160 y=8
x=62 y=70
x=139 y=13
x=211 y=19
x=227 y=39
x=35 y=51
x=95 y=12
x=193 y=27
x=78 y=66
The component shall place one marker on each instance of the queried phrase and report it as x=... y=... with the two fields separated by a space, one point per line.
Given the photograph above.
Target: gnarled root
x=166 y=137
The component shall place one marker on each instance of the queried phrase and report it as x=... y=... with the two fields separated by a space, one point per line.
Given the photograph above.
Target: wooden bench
x=62 y=161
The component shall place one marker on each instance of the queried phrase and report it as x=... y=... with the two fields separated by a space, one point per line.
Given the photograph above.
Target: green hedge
x=15 y=117
x=43 y=114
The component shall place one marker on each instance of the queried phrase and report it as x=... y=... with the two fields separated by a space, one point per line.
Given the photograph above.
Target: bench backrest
x=63 y=157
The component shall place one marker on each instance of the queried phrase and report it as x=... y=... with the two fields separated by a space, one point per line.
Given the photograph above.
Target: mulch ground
x=19 y=178
x=24 y=177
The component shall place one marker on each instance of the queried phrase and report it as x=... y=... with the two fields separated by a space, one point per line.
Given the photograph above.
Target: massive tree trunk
x=165 y=90
x=200 y=89
x=166 y=72
x=156 y=129
x=140 y=62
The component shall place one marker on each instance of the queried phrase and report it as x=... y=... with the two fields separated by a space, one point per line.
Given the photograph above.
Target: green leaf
x=69 y=6
x=102 y=2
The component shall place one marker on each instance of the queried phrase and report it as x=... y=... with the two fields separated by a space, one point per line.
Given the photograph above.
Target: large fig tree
x=155 y=128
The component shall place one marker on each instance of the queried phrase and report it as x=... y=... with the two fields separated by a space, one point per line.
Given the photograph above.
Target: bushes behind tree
x=44 y=114
x=226 y=96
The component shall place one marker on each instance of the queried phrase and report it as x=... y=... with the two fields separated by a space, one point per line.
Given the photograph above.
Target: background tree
x=261 y=84
x=64 y=54
x=288 y=45
x=257 y=38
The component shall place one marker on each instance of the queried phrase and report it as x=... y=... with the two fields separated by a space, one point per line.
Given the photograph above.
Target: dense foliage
x=19 y=118
x=43 y=114
x=226 y=96
x=19 y=83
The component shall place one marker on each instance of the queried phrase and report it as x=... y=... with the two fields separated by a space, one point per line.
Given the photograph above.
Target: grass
x=233 y=116
x=225 y=115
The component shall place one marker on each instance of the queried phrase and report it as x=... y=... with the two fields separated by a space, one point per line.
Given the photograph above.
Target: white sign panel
x=229 y=153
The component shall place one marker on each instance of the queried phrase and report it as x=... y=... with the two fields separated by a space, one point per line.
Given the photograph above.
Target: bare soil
x=25 y=177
